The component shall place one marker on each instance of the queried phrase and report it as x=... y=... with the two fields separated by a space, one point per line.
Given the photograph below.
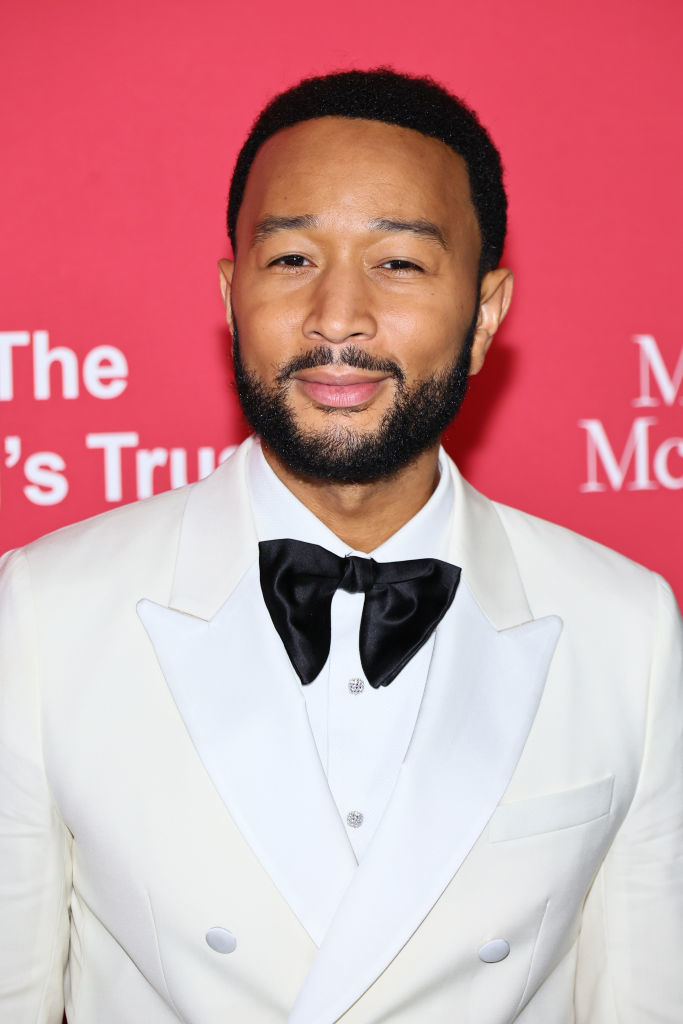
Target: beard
x=413 y=423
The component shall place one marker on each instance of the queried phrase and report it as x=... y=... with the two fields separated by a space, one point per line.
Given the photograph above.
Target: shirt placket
x=349 y=742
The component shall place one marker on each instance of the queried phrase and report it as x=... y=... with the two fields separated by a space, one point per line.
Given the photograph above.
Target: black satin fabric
x=404 y=603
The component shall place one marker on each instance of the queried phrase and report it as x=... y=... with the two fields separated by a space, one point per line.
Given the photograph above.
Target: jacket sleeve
x=629 y=967
x=35 y=865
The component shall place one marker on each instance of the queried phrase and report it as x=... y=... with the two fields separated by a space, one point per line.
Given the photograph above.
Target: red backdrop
x=120 y=125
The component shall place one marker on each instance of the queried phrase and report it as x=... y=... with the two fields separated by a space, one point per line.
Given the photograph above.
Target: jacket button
x=494 y=951
x=221 y=940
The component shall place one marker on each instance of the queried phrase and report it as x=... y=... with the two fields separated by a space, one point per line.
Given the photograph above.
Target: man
x=251 y=775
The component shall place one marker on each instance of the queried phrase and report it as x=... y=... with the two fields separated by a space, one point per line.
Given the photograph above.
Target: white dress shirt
x=361 y=733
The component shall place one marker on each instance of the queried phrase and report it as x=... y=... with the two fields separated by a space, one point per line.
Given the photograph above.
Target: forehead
x=357 y=168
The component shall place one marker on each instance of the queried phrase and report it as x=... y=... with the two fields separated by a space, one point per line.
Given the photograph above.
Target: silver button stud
x=356 y=685
x=221 y=940
x=354 y=819
x=494 y=951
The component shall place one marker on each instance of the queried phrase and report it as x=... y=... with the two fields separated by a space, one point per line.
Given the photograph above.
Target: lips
x=342 y=390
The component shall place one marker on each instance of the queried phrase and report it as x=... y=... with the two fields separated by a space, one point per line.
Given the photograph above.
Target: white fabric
x=361 y=737
x=153 y=787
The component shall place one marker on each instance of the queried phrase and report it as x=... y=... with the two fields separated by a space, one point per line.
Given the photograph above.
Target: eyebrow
x=424 y=228
x=271 y=225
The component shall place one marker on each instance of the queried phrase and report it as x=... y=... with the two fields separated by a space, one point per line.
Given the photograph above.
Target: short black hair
x=408 y=101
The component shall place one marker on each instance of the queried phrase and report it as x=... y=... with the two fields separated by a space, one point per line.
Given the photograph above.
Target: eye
x=293 y=259
x=402 y=265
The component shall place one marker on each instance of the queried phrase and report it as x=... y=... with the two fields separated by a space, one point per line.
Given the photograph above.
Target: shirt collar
x=278 y=513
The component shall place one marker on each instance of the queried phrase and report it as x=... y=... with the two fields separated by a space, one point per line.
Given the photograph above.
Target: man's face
x=355 y=290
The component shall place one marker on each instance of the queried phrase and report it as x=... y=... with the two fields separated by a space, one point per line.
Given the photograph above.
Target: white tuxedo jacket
x=167 y=834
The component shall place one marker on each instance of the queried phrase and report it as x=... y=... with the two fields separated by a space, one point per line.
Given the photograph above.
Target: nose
x=341 y=308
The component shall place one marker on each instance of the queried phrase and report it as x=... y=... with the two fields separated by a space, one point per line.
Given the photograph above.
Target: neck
x=364 y=515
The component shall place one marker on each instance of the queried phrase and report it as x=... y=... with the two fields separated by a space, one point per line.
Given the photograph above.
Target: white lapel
x=482 y=694
x=250 y=731
x=489 y=668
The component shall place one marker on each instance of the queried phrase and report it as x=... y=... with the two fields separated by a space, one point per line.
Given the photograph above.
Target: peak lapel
x=250 y=730
x=218 y=540
x=489 y=668
x=475 y=717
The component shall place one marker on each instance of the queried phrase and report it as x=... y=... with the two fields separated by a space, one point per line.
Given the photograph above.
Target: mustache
x=350 y=355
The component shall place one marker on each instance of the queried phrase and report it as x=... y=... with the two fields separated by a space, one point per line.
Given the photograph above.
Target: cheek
x=426 y=341
x=267 y=331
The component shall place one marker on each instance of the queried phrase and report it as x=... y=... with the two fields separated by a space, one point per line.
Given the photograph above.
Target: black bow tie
x=404 y=603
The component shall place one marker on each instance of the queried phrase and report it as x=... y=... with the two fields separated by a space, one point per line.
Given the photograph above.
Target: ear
x=226 y=269
x=494 y=301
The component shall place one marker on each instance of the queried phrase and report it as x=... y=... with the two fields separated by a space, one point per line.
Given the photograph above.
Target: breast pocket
x=552 y=811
